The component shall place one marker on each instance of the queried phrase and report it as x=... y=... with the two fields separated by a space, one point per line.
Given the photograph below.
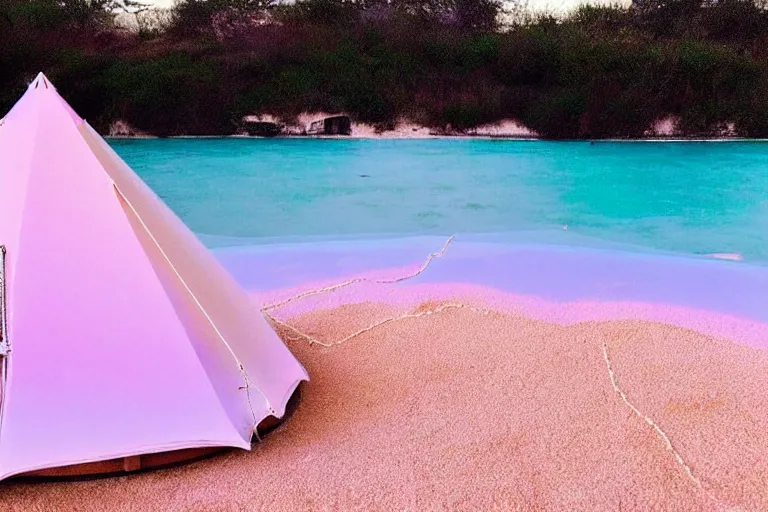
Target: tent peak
x=41 y=81
x=41 y=86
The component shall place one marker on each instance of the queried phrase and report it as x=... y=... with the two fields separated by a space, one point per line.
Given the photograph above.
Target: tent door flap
x=5 y=346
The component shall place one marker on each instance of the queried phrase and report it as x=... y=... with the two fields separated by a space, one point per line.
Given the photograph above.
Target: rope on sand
x=314 y=341
x=659 y=432
x=456 y=305
x=363 y=279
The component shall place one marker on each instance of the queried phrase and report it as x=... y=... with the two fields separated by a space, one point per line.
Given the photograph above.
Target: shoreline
x=363 y=243
x=587 y=285
x=322 y=125
x=511 y=138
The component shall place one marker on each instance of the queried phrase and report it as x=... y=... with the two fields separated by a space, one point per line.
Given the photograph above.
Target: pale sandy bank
x=402 y=130
x=462 y=410
x=664 y=129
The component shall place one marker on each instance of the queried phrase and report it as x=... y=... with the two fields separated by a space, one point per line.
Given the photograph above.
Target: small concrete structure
x=335 y=125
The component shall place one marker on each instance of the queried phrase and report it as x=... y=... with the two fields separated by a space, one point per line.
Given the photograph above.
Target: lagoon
x=690 y=198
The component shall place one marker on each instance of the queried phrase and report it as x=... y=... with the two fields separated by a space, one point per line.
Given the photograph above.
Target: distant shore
x=435 y=137
x=305 y=126
x=511 y=138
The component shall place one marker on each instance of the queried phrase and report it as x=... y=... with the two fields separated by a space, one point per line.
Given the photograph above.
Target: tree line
x=596 y=72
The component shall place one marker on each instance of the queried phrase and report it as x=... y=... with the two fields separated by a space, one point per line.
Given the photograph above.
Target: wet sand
x=463 y=410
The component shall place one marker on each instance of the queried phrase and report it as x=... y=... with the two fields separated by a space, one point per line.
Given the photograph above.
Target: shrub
x=600 y=72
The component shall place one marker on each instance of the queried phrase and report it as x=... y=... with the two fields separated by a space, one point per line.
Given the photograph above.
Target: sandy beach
x=461 y=408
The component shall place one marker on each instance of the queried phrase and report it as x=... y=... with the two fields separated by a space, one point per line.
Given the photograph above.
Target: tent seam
x=117 y=169
x=247 y=380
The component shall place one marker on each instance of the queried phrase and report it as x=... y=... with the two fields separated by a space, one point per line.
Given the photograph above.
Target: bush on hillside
x=601 y=72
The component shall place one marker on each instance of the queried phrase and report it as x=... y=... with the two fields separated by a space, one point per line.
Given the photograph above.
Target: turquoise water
x=692 y=198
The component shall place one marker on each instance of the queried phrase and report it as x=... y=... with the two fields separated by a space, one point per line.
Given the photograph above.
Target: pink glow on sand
x=740 y=330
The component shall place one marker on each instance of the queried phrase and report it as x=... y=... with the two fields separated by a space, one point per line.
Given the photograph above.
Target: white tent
x=124 y=336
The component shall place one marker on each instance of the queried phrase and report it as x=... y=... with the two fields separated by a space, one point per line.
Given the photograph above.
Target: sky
x=543 y=5
x=557 y=5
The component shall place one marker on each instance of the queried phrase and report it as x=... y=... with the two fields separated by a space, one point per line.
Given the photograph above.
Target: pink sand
x=466 y=411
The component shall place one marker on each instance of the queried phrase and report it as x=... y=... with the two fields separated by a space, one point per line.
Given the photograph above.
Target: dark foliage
x=601 y=72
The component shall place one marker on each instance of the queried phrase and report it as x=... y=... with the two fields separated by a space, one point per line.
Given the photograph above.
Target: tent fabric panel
x=101 y=365
x=225 y=376
x=270 y=366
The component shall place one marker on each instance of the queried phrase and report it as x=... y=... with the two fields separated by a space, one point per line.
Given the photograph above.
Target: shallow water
x=690 y=198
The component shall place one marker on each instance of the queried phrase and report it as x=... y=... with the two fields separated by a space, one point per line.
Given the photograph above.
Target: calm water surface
x=692 y=198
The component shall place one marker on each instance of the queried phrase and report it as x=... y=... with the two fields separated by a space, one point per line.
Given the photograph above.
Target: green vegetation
x=600 y=72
